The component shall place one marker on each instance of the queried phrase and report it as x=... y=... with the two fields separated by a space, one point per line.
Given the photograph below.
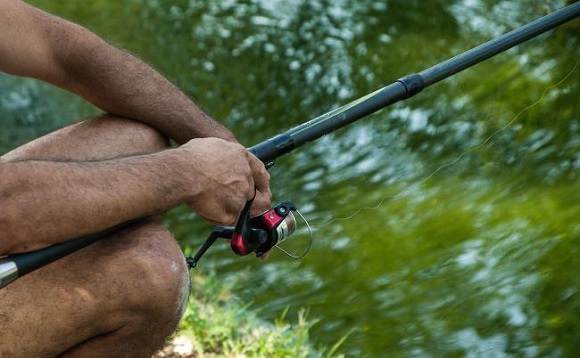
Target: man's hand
x=228 y=176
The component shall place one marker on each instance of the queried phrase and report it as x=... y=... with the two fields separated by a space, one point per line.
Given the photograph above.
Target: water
x=446 y=225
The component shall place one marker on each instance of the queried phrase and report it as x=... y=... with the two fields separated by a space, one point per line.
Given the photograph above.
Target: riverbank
x=217 y=324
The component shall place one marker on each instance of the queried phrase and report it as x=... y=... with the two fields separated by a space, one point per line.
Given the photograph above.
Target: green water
x=446 y=225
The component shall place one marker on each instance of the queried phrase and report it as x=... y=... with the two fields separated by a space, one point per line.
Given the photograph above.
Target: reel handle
x=218 y=232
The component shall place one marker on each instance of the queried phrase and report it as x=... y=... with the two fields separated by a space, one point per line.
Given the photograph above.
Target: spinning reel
x=258 y=234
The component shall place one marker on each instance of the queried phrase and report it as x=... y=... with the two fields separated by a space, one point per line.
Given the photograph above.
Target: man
x=122 y=296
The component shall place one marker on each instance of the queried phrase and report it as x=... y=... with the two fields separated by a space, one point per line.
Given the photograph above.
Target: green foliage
x=218 y=324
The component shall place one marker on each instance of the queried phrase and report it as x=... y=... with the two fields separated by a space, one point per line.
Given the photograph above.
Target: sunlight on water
x=446 y=225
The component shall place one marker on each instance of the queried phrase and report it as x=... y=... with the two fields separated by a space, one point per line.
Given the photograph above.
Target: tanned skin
x=122 y=296
x=214 y=176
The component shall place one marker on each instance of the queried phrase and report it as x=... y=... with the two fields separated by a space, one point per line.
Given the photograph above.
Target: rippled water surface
x=446 y=225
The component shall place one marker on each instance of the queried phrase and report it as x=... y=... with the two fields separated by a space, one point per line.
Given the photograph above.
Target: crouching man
x=122 y=296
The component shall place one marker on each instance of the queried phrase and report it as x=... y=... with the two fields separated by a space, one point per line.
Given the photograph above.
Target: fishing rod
x=406 y=87
x=259 y=234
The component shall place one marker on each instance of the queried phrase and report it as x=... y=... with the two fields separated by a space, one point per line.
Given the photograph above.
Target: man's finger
x=259 y=172
x=261 y=178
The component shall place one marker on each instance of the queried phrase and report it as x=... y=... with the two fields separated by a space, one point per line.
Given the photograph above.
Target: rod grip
x=270 y=149
x=29 y=261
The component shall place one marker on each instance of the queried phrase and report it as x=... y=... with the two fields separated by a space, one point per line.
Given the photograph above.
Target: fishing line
x=459 y=157
x=310 y=238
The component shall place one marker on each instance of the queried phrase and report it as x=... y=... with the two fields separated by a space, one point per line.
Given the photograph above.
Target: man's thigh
x=100 y=138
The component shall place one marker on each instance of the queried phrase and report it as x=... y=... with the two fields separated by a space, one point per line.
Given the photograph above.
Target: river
x=445 y=225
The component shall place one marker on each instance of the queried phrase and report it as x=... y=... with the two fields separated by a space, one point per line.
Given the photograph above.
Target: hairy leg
x=120 y=297
x=105 y=137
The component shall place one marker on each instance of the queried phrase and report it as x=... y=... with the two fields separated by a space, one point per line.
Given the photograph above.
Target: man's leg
x=120 y=297
x=105 y=137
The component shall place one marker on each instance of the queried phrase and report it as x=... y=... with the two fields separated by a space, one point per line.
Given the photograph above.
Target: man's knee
x=149 y=284
x=161 y=293
x=126 y=292
x=139 y=136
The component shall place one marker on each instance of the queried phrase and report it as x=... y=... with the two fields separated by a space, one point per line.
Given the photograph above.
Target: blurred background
x=445 y=225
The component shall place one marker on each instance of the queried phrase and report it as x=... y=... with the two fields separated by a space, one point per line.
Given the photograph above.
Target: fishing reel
x=258 y=234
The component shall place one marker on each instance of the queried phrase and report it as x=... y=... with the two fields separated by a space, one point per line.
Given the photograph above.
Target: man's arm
x=36 y=44
x=44 y=202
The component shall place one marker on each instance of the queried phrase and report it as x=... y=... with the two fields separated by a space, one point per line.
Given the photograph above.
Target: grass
x=217 y=324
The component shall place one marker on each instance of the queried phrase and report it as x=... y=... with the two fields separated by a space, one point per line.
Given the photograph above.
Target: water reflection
x=446 y=225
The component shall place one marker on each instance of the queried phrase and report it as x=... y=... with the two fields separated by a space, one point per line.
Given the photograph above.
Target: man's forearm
x=47 y=202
